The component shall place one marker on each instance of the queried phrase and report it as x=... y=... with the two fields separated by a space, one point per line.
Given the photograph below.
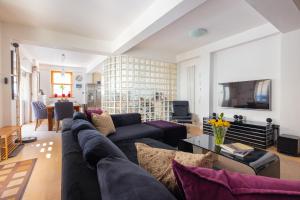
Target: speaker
x=288 y=144
x=236 y=117
x=214 y=115
x=269 y=120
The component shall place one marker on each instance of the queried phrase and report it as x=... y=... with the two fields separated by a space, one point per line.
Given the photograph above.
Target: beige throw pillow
x=103 y=123
x=158 y=162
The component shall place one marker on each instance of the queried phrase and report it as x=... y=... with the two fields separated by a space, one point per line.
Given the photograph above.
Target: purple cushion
x=90 y=112
x=163 y=124
x=202 y=183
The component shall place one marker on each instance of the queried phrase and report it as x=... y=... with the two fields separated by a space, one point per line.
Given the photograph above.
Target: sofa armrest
x=190 y=115
x=126 y=119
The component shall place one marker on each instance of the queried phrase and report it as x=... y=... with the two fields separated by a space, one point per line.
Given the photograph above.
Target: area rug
x=14 y=178
x=16 y=151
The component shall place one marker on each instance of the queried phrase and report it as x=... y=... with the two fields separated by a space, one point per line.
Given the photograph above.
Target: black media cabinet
x=256 y=134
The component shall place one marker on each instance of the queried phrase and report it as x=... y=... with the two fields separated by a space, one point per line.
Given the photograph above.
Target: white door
x=191 y=87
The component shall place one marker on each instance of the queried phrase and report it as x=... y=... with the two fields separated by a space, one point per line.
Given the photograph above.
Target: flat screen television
x=254 y=94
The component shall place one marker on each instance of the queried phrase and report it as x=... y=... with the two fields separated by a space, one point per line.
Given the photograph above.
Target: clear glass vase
x=219 y=134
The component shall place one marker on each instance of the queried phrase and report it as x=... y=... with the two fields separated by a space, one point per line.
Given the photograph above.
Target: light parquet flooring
x=45 y=181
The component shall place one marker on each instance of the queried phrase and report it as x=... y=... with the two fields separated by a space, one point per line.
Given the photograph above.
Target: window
x=61 y=84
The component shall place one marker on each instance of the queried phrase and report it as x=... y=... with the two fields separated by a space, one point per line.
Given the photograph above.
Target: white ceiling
x=53 y=57
x=151 y=28
x=284 y=15
x=99 y=19
x=222 y=18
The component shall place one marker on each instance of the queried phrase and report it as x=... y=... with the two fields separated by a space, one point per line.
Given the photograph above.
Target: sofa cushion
x=103 y=123
x=200 y=183
x=129 y=148
x=80 y=124
x=85 y=135
x=126 y=119
x=67 y=124
x=79 y=115
x=78 y=181
x=96 y=147
x=136 y=131
x=121 y=179
x=158 y=162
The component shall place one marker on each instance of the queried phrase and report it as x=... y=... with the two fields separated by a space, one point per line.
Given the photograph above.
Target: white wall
x=23 y=34
x=202 y=74
x=1 y=77
x=255 y=60
x=255 y=54
x=202 y=58
x=78 y=93
x=290 y=76
x=8 y=106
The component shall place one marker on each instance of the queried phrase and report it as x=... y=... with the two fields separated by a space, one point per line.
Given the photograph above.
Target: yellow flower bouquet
x=219 y=127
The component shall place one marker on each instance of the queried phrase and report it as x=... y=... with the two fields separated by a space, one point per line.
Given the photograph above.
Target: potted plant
x=219 y=126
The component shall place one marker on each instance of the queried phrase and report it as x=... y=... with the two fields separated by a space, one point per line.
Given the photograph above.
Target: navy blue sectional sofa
x=96 y=167
x=130 y=126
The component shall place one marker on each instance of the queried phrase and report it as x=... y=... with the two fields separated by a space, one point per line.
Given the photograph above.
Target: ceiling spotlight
x=197 y=32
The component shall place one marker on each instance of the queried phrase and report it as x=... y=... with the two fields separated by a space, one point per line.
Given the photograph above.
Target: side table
x=10 y=139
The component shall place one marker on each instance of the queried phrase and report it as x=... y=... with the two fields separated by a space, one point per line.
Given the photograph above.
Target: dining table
x=50 y=114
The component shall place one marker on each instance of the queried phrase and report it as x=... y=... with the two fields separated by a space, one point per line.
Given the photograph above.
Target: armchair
x=181 y=112
x=40 y=112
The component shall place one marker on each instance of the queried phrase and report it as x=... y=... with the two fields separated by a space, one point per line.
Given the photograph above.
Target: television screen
x=246 y=94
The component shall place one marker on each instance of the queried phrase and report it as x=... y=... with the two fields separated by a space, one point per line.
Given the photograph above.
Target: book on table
x=237 y=149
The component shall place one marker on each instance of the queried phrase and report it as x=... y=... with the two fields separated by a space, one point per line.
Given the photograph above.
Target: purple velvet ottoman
x=172 y=132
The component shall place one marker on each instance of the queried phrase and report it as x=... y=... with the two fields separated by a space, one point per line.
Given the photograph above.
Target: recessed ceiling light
x=197 y=32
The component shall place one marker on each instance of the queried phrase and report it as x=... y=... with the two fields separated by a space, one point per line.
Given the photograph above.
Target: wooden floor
x=45 y=181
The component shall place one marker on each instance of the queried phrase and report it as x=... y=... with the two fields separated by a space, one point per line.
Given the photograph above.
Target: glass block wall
x=138 y=85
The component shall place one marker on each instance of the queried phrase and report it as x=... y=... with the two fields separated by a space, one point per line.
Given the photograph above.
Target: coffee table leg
x=271 y=170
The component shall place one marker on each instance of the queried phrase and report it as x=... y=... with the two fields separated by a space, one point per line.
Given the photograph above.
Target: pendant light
x=63 y=57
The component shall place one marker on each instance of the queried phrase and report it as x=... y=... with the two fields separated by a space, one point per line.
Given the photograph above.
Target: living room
x=136 y=97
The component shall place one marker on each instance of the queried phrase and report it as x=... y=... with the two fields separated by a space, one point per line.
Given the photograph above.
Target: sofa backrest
x=121 y=179
x=126 y=119
x=96 y=146
x=79 y=182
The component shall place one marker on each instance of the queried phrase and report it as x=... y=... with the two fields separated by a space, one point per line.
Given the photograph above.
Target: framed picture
x=78 y=86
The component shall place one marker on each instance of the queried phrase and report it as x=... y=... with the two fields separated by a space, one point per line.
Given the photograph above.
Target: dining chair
x=40 y=112
x=62 y=110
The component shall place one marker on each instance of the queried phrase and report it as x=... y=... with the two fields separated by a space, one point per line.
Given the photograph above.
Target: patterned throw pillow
x=158 y=162
x=103 y=123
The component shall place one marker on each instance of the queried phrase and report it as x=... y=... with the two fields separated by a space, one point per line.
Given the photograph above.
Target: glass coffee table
x=262 y=162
